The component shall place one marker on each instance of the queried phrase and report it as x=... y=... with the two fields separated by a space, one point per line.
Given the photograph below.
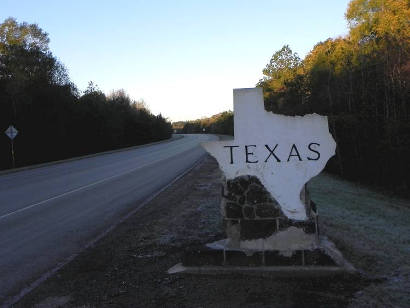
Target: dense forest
x=54 y=119
x=221 y=123
x=362 y=83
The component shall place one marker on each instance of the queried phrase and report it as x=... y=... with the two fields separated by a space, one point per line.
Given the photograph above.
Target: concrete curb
x=35 y=166
x=278 y=271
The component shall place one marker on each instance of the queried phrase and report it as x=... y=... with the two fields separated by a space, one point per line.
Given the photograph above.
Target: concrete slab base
x=325 y=260
x=276 y=271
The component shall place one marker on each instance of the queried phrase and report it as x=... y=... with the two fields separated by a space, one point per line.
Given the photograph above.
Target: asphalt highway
x=50 y=213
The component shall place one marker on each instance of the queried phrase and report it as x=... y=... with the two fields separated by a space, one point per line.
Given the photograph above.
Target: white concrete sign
x=284 y=152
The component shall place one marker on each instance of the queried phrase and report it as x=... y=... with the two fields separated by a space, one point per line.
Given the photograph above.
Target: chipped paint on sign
x=284 y=152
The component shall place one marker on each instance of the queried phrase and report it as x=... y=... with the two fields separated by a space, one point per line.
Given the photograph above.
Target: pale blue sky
x=182 y=57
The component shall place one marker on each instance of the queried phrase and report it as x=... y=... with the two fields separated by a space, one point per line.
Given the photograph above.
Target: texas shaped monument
x=283 y=152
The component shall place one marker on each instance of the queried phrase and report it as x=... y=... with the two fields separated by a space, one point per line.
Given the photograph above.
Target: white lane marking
x=13 y=300
x=79 y=189
x=76 y=189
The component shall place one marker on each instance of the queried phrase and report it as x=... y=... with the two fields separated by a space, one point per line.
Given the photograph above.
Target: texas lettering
x=283 y=152
x=271 y=153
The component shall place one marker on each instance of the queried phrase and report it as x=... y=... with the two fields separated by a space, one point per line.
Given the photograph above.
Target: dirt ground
x=128 y=267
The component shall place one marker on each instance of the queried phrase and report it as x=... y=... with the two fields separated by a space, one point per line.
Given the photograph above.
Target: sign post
x=12 y=132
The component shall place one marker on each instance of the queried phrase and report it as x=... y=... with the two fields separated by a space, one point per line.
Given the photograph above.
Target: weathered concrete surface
x=287 y=240
x=283 y=152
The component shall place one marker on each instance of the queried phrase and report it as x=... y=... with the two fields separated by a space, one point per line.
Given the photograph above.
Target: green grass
x=373 y=232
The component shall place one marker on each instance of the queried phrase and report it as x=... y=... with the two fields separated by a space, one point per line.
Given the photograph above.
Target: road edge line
x=55 y=162
x=16 y=298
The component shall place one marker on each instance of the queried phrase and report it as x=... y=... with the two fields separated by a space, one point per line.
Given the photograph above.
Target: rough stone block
x=233 y=210
x=254 y=229
x=249 y=212
x=267 y=210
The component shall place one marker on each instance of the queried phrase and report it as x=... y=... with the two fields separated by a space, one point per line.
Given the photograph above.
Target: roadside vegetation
x=361 y=82
x=54 y=119
x=221 y=123
x=372 y=231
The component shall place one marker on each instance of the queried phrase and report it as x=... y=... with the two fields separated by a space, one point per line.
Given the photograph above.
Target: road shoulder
x=128 y=267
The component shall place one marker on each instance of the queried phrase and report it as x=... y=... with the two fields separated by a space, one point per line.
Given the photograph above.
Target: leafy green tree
x=283 y=72
x=28 y=36
x=282 y=67
x=379 y=20
x=362 y=82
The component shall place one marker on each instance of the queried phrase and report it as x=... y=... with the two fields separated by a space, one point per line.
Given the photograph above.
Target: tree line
x=221 y=123
x=54 y=120
x=362 y=82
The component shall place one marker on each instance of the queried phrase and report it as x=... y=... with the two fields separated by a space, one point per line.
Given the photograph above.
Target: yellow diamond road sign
x=11 y=132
